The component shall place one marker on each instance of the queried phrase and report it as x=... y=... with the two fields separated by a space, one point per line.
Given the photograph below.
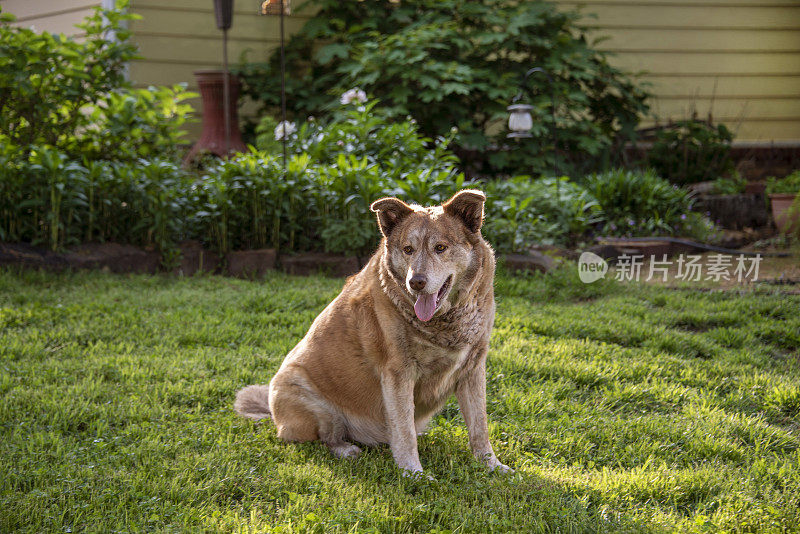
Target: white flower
x=354 y=94
x=284 y=128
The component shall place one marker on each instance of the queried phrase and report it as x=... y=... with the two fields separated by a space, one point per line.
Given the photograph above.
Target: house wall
x=739 y=59
x=53 y=16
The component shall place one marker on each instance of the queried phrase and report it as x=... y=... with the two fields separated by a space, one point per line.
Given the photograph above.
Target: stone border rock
x=195 y=259
x=533 y=261
x=251 y=263
x=111 y=257
x=320 y=263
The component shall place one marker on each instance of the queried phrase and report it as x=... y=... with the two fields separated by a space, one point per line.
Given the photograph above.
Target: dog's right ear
x=390 y=212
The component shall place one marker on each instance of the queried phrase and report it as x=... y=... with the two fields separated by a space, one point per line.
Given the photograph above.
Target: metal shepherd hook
x=553 y=128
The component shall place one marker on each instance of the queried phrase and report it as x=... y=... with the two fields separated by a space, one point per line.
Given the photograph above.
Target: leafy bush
x=70 y=93
x=46 y=80
x=692 y=151
x=642 y=203
x=458 y=63
x=734 y=185
x=787 y=184
x=521 y=212
x=368 y=132
x=128 y=124
x=245 y=202
x=321 y=203
x=336 y=169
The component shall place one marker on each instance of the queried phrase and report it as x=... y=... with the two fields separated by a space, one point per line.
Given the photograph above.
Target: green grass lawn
x=622 y=408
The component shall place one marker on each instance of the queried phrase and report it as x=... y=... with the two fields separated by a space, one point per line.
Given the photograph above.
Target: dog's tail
x=253 y=402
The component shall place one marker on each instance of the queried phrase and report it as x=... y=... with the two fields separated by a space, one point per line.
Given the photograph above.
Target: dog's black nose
x=418 y=282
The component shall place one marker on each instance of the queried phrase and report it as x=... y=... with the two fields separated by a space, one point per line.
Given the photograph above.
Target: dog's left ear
x=390 y=212
x=467 y=206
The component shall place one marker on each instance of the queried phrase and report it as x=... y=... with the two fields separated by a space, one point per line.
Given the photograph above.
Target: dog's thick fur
x=371 y=369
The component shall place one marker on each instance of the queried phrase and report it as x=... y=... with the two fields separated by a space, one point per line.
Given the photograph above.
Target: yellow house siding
x=738 y=59
x=51 y=16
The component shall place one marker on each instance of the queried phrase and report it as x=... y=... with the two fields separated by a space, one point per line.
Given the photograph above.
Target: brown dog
x=406 y=332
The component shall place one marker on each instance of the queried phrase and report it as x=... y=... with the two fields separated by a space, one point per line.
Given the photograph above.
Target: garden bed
x=116 y=258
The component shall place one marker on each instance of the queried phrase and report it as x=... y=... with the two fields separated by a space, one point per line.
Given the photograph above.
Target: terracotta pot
x=211 y=83
x=786 y=218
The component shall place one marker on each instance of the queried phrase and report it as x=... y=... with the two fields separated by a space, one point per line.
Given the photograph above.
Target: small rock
x=251 y=263
x=195 y=258
x=534 y=261
x=605 y=251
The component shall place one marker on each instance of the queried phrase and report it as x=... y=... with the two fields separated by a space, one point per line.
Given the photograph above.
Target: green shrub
x=245 y=202
x=61 y=183
x=46 y=79
x=337 y=168
x=458 y=63
x=368 y=132
x=521 y=212
x=734 y=185
x=692 y=151
x=128 y=124
x=70 y=93
x=641 y=203
x=787 y=184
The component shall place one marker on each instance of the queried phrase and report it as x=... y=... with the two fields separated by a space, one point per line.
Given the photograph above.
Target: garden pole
x=283 y=92
x=226 y=91
x=553 y=125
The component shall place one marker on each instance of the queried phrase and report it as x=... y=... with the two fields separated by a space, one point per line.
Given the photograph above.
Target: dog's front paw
x=417 y=474
x=345 y=450
x=503 y=469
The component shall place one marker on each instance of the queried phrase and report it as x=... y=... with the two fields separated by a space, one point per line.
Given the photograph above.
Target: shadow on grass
x=370 y=492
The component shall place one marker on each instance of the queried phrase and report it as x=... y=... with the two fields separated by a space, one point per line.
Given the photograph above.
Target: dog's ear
x=390 y=212
x=467 y=206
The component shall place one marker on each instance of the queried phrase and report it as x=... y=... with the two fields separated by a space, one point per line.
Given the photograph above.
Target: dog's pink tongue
x=425 y=306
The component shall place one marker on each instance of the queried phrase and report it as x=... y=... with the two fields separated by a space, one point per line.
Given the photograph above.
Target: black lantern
x=223 y=9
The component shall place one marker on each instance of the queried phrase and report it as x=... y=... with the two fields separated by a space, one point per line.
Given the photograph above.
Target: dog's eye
x=408 y=250
x=440 y=248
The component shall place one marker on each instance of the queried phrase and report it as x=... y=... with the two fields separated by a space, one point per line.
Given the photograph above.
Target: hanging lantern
x=520 y=121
